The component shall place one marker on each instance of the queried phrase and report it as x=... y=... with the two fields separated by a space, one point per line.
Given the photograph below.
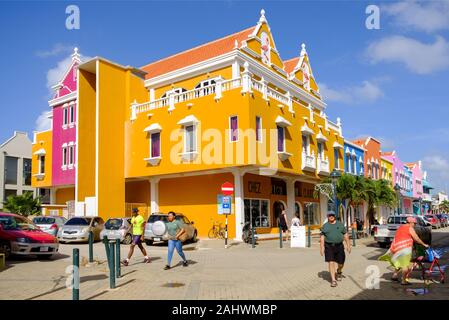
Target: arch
x=278 y=206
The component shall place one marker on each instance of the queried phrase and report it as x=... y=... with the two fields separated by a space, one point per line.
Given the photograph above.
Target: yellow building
x=169 y=134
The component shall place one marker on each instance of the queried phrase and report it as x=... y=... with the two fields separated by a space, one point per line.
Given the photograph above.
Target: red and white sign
x=227 y=188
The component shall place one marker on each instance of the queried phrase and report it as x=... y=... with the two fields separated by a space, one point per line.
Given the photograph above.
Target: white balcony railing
x=323 y=166
x=308 y=162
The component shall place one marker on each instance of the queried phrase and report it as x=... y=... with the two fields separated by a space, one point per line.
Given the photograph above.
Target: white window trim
x=230 y=129
x=65 y=110
x=190 y=155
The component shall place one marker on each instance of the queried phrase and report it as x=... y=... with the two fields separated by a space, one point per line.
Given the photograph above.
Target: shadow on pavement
x=16 y=259
x=106 y=291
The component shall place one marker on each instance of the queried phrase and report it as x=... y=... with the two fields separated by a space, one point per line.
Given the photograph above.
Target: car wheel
x=128 y=239
x=194 y=238
x=44 y=256
x=149 y=242
x=5 y=247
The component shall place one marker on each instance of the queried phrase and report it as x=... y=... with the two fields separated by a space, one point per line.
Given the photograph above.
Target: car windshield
x=396 y=220
x=17 y=223
x=154 y=218
x=78 y=222
x=113 y=224
x=44 y=220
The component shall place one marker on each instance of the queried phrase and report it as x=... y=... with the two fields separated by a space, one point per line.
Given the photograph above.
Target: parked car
x=118 y=228
x=384 y=234
x=443 y=219
x=434 y=221
x=50 y=224
x=20 y=236
x=77 y=229
x=149 y=236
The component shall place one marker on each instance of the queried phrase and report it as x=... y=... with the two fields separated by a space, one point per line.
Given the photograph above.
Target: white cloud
x=55 y=74
x=438 y=169
x=43 y=122
x=429 y=17
x=367 y=92
x=57 y=49
x=418 y=57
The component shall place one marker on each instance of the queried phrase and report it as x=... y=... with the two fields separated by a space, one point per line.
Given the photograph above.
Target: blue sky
x=390 y=83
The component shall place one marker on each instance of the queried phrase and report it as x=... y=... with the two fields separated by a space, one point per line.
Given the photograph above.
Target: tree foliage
x=24 y=204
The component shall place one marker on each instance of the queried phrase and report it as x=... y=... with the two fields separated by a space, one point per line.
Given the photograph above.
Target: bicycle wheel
x=212 y=233
x=221 y=232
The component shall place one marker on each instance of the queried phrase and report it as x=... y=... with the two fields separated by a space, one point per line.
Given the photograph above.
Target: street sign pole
x=226 y=233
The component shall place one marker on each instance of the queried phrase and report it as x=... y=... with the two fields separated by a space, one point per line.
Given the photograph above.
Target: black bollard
x=117 y=258
x=253 y=237
x=76 y=274
x=106 y=247
x=353 y=236
x=91 y=247
x=112 y=265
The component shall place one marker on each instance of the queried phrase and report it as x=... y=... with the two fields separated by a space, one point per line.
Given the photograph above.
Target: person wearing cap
x=333 y=233
x=399 y=255
x=138 y=227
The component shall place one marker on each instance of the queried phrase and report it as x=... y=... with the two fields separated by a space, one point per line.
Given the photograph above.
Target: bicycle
x=217 y=231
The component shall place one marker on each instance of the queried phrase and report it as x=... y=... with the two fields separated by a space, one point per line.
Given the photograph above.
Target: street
x=239 y=272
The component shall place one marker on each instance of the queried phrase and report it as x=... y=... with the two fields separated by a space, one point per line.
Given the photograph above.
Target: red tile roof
x=388 y=153
x=196 y=55
x=289 y=65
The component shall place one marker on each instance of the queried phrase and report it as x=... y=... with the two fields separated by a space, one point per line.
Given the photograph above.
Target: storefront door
x=257 y=211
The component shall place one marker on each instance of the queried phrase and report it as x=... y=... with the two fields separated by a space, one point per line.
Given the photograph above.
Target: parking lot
x=238 y=272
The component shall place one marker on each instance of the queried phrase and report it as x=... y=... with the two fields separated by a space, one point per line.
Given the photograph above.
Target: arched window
x=175 y=91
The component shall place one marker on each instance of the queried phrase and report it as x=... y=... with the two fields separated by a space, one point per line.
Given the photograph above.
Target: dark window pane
x=9 y=193
x=10 y=170
x=26 y=172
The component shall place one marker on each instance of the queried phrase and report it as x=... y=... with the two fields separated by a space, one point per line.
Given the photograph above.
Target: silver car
x=50 y=224
x=149 y=236
x=77 y=229
x=118 y=228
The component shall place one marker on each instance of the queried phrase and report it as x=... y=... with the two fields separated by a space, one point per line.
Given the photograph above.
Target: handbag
x=184 y=237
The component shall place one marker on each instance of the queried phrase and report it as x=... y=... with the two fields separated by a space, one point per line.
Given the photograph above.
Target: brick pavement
x=239 y=272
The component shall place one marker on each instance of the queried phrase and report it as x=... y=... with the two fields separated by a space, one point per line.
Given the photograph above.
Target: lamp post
x=397 y=188
x=420 y=206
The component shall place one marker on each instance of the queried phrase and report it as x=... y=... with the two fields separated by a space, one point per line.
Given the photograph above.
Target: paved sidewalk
x=239 y=272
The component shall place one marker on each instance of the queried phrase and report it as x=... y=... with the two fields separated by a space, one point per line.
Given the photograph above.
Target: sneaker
x=185 y=264
x=147 y=260
x=125 y=262
x=167 y=267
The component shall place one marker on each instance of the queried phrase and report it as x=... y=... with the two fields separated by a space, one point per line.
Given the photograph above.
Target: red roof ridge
x=199 y=46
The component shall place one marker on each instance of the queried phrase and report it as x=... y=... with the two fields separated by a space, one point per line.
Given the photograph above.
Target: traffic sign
x=227 y=188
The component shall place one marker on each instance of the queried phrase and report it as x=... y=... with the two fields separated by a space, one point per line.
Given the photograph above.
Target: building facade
x=167 y=135
x=15 y=166
x=54 y=151
x=354 y=158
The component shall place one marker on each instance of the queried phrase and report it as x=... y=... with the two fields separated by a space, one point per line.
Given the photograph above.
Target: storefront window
x=257 y=211
x=311 y=213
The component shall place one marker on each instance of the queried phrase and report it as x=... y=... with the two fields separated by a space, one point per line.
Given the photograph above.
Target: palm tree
x=378 y=193
x=444 y=206
x=23 y=204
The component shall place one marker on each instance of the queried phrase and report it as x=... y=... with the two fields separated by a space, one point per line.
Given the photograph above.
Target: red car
x=20 y=236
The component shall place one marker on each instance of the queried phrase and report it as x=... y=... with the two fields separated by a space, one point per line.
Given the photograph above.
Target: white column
x=235 y=70
x=53 y=195
x=290 y=199
x=154 y=195
x=239 y=204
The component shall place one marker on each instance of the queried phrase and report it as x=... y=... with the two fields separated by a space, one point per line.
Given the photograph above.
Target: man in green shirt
x=333 y=233
x=138 y=228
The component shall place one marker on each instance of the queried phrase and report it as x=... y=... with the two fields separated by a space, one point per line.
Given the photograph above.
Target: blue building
x=354 y=157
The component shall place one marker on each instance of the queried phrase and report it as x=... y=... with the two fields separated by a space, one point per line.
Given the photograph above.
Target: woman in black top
x=283 y=224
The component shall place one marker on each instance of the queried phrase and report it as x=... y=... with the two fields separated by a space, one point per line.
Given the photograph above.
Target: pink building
x=63 y=114
x=417 y=180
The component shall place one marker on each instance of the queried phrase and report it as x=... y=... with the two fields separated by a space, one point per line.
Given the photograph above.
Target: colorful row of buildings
x=167 y=135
